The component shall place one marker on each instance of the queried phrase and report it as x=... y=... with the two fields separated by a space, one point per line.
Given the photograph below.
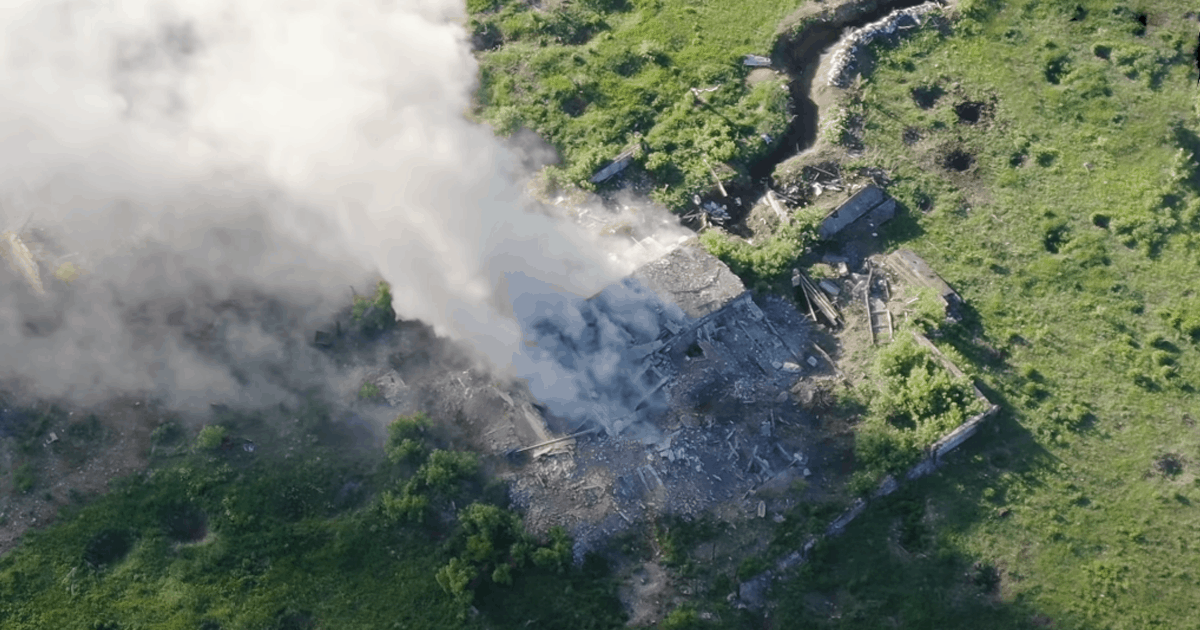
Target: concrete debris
x=870 y=205
x=913 y=269
x=616 y=166
x=756 y=61
x=888 y=486
x=829 y=287
x=843 y=64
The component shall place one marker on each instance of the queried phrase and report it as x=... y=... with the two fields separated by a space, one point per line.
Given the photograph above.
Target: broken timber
x=773 y=201
x=556 y=440
x=815 y=297
x=716 y=179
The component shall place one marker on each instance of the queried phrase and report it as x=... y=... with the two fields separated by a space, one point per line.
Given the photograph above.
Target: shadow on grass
x=897 y=564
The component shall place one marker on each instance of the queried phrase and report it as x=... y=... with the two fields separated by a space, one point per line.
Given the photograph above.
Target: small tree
x=405 y=441
x=374 y=314
x=210 y=438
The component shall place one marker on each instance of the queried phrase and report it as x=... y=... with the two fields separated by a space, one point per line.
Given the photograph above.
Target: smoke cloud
x=202 y=179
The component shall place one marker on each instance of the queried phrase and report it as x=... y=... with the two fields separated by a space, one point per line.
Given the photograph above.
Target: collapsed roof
x=681 y=331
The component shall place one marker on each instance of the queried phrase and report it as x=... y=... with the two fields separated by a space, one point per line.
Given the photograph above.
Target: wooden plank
x=773 y=201
x=867 y=303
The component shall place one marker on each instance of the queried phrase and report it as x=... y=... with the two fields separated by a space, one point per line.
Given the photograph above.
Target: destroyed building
x=683 y=376
x=679 y=331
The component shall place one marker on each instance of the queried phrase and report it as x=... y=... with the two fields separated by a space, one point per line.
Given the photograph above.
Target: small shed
x=870 y=202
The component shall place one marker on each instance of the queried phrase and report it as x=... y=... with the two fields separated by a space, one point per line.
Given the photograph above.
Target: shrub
x=916 y=402
x=405 y=438
x=374 y=314
x=770 y=259
x=166 y=433
x=211 y=437
x=23 y=478
x=443 y=470
x=370 y=391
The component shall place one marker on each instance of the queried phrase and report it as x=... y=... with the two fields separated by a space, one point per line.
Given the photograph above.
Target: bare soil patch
x=1169 y=465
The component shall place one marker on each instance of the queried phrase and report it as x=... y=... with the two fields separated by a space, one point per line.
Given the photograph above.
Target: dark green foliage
x=768 y=262
x=915 y=401
x=370 y=391
x=444 y=470
x=107 y=547
x=24 y=478
x=211 y=437
x=405 y=442
x=166 y=434
x=374 y=314
x=597 y=77
x=677 y=537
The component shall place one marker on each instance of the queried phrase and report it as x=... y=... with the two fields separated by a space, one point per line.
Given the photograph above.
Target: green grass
x=1083 y=318
x=234 y=541
x=594 y=78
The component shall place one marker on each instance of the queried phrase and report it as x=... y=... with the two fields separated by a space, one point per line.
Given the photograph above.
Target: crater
x=971 y=112
x=958 y=160
x=926 y=96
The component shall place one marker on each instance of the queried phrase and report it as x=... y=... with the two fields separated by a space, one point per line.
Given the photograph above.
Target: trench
x=800 y=55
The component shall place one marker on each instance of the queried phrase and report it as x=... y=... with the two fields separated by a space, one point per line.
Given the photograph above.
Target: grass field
x=223 y=539
x=1044 y=156
x=596 y=77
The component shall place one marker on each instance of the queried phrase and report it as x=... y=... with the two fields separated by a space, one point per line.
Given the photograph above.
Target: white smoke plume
x=187 y=154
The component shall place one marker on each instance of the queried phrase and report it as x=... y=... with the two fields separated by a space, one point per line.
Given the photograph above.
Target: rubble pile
x=844 y=61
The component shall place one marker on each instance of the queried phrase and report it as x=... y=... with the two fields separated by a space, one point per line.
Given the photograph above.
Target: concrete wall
x=935 y=454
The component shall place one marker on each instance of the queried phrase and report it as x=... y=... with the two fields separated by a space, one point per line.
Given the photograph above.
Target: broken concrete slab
x=616 y=166
x=693 y=279
x=913 y=269
x=871 y=200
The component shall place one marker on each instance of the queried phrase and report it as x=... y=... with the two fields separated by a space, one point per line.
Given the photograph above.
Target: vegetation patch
x=281 y=557
x=912 y=401
x=665 y=78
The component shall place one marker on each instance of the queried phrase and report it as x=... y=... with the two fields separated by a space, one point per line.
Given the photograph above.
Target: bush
x=916 y=401
x=23 y=478
x=211 y=437
x=770 y=259
x=370 y=391
x=374 y=314
x=443 y=470
x=405 y=441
